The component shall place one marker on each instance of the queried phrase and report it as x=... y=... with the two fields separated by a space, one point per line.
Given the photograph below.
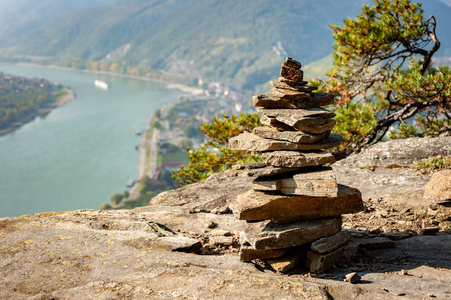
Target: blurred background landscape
x=187 y=61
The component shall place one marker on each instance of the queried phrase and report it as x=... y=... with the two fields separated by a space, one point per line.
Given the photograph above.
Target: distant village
x=19 y=83
x=180 y=121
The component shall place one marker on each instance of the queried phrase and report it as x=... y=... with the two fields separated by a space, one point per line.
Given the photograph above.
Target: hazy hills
x=242 y=42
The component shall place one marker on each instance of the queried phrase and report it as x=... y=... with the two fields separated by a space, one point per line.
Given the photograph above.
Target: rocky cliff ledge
x=183 y=245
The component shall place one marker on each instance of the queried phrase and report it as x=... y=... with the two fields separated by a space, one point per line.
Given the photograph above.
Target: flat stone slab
x=374 y=243
x=299 y=88
x=299 y=137
x=247 y=253
x=331 y=243
x=256 y=205
x=272 y=122
x=292 y=82
x=251 y=142
x=325 y=126
x=279 y=98
x=296 y=159
x=269 y=235
x=296 y=117
x=438 y=188
x=317 y=182
x=263 y=171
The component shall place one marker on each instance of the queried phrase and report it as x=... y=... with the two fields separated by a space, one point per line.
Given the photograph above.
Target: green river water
x=80 y=153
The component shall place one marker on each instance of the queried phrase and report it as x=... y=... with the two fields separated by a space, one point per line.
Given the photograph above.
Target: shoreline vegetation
x=20 y=121
x=23 y=99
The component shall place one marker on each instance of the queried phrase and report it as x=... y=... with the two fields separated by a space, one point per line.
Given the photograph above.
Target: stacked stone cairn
x=294 y=209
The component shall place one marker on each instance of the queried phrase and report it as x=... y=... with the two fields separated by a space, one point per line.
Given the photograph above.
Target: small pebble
x=210 y=224
x=352 y=277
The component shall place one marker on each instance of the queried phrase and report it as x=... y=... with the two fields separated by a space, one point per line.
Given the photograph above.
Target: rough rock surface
x=318 y=182
x=251 y=142
x=213 y=194
x=289 y=136
x=438 y=188
x=299 y=88
x=261 y=171
x=120 y=254
x=317 y=263
x=294 y=159
x=391 y=179
x=295 y=117
x=287 y=262
x=331 y=243
x=269 y=235
x=256 y=205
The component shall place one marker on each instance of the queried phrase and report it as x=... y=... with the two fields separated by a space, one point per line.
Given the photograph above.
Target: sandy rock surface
x=133 y=254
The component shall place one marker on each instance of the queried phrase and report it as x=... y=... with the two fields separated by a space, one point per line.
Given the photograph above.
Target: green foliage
x=104 y=206
x=432 y=164
x=232 y=40
x=116 y=198
x=354 y=122
x=190 y=131
x=213 y=156
x=21 y=97
x=370 y=167
x=382 y=64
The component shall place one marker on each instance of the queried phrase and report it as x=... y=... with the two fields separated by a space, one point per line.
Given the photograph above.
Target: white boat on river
x=101 y=84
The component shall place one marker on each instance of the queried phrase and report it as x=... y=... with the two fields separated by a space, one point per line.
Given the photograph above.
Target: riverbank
x=169 y=85
x=60 y=101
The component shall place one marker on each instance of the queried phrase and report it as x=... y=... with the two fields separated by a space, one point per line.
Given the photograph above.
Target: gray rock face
x=256 y=205
x=294 y=159
x=300 y=137
x=398 y=183
x=251 y=142
x=400 y=151
x=269 y=235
